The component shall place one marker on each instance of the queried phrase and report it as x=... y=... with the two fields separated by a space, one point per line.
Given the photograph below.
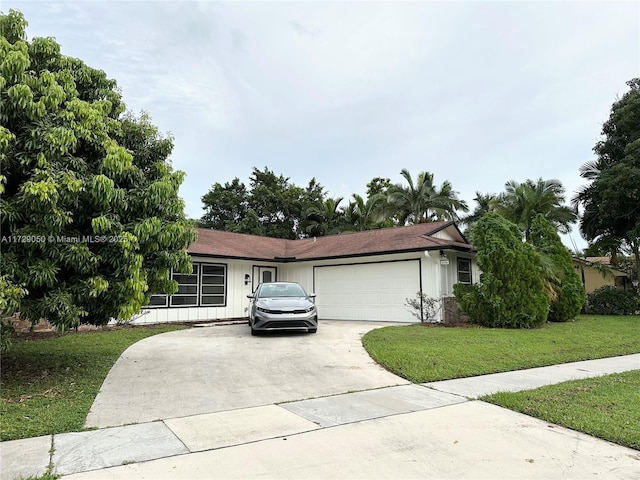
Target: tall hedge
x=511 y=291
x=568 y=290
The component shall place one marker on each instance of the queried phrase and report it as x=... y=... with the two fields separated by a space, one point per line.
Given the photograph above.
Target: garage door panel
x=372 y=291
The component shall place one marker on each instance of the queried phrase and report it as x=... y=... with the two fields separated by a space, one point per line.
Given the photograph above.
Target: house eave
x=453 y=224
x=457 y=248
x=232 y=257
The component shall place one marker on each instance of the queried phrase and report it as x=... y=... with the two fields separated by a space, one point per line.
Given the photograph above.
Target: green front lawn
x=606 y=407
x=48 y=385
x=422 y=353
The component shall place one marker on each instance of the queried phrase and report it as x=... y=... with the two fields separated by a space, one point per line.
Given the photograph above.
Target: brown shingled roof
x=604 y=260
x=372 y=242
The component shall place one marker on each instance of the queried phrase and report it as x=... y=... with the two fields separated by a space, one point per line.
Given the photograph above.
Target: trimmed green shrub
x=511 y=291
x=566 y=291
x=610 y=300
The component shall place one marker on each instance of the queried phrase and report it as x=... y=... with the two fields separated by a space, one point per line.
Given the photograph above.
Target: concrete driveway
x=219 y=393
x=218 y=368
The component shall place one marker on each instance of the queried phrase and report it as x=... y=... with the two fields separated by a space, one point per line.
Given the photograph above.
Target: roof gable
x=424 y=236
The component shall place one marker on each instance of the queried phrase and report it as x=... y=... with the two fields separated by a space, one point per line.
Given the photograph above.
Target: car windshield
x=281 y=290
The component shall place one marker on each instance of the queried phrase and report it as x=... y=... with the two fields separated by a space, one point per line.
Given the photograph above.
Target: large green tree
x=423 y=201
x=272 y=206
x=521 y=202
x=611 y=199
x=511 y=290
x=91 y=219
x=225 y=205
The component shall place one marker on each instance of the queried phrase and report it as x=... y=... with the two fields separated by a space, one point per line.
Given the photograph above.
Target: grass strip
x=422 y=353
x=48 y=385
x=605 y=407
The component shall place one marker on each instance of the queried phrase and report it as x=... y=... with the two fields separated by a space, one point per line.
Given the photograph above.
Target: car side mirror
x=250 y=295
x=312 y=295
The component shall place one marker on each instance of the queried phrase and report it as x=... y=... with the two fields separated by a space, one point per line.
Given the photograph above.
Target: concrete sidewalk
x=433 y=430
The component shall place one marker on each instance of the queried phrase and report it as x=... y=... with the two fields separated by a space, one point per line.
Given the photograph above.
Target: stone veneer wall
x=451 y=312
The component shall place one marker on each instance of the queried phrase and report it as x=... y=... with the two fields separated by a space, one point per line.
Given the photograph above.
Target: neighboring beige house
x=597 y=272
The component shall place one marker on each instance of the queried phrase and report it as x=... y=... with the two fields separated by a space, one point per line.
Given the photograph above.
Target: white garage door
x=373 y=291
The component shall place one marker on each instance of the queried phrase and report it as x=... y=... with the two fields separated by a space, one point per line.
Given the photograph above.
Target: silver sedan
x=282 y=306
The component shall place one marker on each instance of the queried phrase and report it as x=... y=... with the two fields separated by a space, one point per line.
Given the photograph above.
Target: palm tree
x=363 y=215
x=521 y=202
x=323 y=218
x=423 y=201
x=485 y=202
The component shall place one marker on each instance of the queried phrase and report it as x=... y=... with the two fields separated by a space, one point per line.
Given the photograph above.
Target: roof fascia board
x=440 y=228
x=457 y=248
x=232 y=257
x=447 y=225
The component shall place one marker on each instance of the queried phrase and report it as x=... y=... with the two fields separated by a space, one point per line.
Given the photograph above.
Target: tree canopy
x=611 y=199
x=422 y=201
x=323 y=218
x=485 y=203
x=91 y=221
x=522 y=202
x=366 y=214
x=272 y=206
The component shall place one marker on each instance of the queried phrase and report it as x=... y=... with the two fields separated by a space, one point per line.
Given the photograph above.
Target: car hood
x=284 y=303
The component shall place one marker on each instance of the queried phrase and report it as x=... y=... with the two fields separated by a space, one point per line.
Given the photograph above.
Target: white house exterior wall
x=450 y=273
x=236 y=297
x=442 y=234
x=435 y=279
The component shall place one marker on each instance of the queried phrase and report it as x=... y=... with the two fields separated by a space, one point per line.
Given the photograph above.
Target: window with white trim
x=159 y=300
x=464 y=270
x=187 y=293
x=206 y=285
x=213 y=285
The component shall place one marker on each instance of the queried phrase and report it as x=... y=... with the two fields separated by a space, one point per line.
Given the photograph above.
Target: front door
x=264 y=275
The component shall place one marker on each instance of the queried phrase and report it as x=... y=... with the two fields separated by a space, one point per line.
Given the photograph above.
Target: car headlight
x=310 y=308
x=263 y=310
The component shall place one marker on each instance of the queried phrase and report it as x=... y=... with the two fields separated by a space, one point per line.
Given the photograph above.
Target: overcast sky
x=478 y=93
